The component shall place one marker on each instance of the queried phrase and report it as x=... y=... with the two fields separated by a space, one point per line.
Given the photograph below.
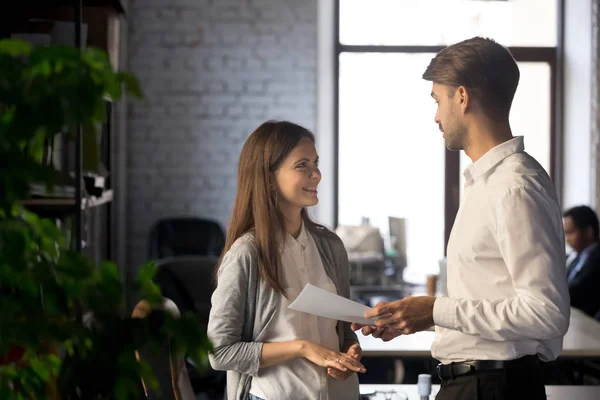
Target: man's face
x=575 y=237
x=448 y=116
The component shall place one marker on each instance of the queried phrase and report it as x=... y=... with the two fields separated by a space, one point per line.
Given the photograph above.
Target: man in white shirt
x=508 y=304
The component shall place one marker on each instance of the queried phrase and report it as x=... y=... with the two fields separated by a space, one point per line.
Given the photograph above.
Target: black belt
x=456 y=369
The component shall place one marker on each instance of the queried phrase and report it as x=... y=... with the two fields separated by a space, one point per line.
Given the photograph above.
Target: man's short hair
x=583 y=217
x=485 y=67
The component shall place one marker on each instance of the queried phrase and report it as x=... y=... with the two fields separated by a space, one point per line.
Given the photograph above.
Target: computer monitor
x=398 y=238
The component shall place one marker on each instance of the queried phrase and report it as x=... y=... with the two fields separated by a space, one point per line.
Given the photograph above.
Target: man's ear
x=589 y=233
x=463 y=98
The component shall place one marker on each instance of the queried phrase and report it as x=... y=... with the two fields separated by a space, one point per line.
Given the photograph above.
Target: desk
x=552 y=392
x=582 y=340
x=415 y=345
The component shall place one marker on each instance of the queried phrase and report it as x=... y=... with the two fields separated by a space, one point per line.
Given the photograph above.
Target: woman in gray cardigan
x=272 y=251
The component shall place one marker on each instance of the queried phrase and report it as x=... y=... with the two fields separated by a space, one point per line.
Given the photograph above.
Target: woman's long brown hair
x=255 y=207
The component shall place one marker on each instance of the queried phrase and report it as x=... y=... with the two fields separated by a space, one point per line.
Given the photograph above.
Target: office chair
x=170 y=372
x=186 y=236
x=188 y=282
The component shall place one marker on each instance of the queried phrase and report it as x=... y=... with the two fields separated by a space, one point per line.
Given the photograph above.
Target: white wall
x=212 y=71
x=577 y=164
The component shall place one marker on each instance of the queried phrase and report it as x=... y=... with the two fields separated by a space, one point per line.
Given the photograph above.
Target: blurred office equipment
x=375 y=267
x=364 y=245
x=397 y=249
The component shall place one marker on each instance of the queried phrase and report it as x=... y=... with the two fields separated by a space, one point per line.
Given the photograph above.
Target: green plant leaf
x=55 y=300
x=15 y=47
x=132 y=85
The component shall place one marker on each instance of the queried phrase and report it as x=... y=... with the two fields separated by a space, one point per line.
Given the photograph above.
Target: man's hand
x=353 y=351
x=406 y=316
x=384 y=334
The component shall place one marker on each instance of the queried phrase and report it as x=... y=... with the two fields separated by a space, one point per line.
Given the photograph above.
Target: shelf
x=106 y=197
x=97 y=24
x=112 y=4
x=61 y=206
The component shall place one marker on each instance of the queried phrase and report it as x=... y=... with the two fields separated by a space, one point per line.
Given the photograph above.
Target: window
x=524 y=23
x=530 y=114
x=391 y=159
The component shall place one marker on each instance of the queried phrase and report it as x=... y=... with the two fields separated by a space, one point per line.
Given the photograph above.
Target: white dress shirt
x=299 y=378
x=507 y=289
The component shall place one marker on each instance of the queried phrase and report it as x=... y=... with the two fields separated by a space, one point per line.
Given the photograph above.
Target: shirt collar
x=585 y=252
x=301 y=240
x=303 y=236
x=490 y=159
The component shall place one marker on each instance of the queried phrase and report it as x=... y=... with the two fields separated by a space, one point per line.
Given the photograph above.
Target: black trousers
x=501 y=384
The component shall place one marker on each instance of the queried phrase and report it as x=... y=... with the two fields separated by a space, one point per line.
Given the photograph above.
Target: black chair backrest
x=188 y=282
x=188 y=236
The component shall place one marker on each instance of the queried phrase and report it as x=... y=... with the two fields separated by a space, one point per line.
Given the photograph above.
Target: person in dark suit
x=583 y=271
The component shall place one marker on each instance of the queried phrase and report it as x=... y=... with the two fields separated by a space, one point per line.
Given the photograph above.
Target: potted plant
x=65 y=331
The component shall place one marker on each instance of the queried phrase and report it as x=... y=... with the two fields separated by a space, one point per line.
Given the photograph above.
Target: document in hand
x=313 y=300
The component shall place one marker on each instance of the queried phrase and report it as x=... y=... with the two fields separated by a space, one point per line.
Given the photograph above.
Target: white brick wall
x=212 y=71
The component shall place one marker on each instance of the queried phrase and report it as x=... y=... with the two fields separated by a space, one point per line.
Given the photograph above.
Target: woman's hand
x=353 y=351
x=327 y=358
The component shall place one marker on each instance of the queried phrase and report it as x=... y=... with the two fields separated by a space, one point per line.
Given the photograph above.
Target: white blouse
x=300 y=378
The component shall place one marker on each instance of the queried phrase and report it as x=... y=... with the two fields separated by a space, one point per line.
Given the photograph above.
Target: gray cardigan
x=242 y=304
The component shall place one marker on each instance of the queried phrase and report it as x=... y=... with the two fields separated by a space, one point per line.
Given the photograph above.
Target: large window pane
x=530 y=113
x=443 y=22
x=391 y=153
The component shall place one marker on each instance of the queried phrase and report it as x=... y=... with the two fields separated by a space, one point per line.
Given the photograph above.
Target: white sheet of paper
x=314 y=300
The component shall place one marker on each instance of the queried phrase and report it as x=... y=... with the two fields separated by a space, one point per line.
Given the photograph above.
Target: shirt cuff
x=254 y=363
x=444 y=312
